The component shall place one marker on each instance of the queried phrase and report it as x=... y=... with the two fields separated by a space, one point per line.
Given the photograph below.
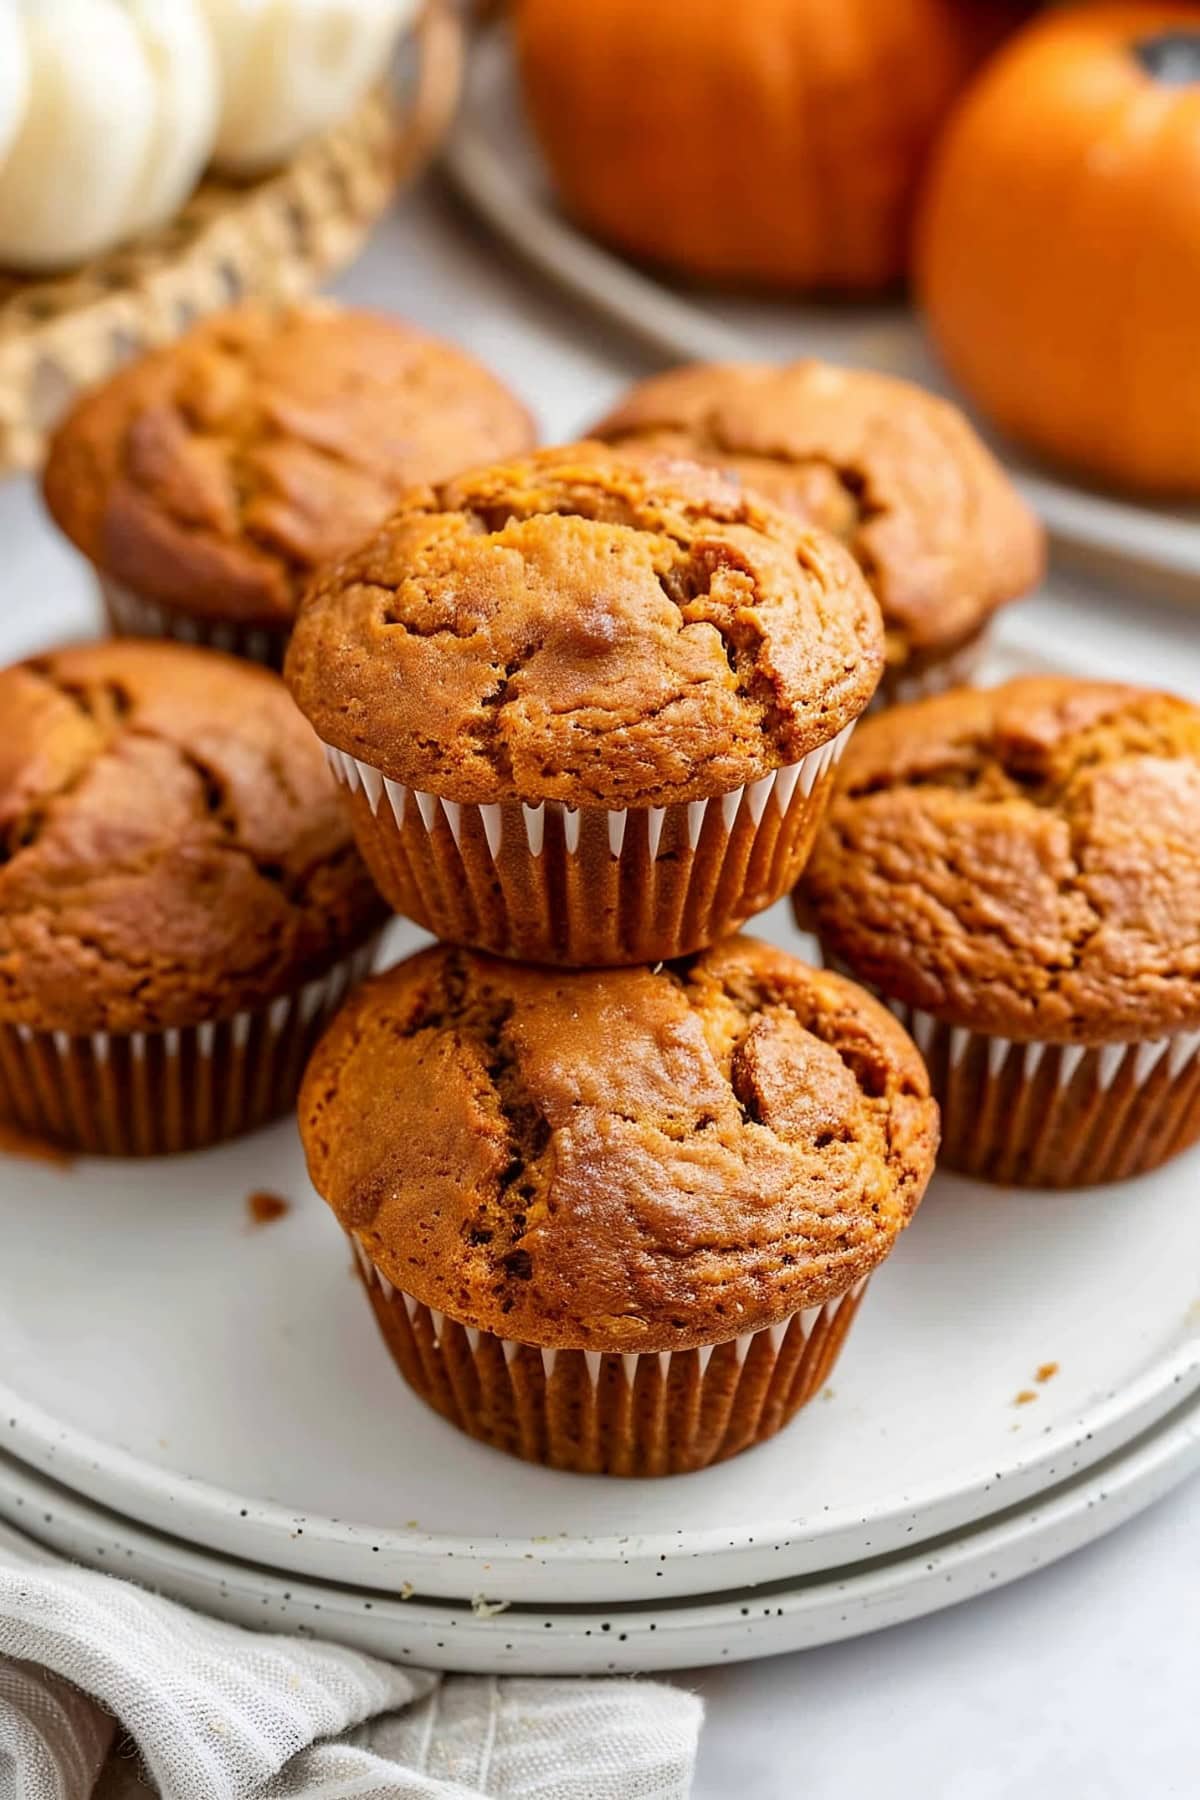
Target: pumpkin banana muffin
x=587 y=707
x=895 y=472
x=1017 y=873
x=206 y=481
x=181 y=902
x=617 y=1220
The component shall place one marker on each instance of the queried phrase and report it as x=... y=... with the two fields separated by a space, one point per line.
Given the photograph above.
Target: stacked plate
x=199 y=1401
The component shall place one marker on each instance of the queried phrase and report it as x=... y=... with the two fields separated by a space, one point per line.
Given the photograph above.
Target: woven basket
x=275 y=238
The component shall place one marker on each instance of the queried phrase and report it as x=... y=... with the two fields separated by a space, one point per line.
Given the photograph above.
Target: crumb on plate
x=263 y=1207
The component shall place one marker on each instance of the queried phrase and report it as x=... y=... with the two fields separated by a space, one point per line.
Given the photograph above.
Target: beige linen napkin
x=201 y=1710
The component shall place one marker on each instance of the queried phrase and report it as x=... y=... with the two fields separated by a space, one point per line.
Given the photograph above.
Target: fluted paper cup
x=150 y=1093
x=590 y=886
x=1034 y=1114
x=132 y=615
x=589 y=1413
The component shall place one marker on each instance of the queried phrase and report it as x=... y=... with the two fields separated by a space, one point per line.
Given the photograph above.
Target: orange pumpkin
x=1058 y=254
x=773 y=142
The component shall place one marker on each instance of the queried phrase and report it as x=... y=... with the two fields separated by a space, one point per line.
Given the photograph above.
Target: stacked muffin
x=588 y=710
x=618 y=1220
x=614 y=1200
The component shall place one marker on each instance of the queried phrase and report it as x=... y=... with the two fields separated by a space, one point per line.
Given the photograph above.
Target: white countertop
x=1078 y=1684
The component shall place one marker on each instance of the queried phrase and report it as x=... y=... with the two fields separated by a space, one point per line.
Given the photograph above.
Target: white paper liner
x=779 y=787
x=588 y=886
x=1033 y=1113
x=132 y=615
x=805 y=1321
x=151 y=1092
x=774 y=1372
x=1137 y=1060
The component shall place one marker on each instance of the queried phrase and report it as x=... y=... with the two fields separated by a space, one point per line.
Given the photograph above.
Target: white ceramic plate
x=575 y=1641
x=495 y=166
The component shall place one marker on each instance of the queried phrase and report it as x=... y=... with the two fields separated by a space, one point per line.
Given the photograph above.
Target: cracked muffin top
x=214 y=475
x=1023 y=861
x=172 y=848
x=897 y=474
x=581 y=627
x=619 y=1159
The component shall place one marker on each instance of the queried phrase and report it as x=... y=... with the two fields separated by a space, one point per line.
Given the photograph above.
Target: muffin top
x=896 y=473
x=172 y=847
x=582 y=627
x=619 y=1159
x=1023 y=861
x=214 y=475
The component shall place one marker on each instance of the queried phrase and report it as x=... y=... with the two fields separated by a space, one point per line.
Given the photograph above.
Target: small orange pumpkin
x=773 y=142
x=1058 y=247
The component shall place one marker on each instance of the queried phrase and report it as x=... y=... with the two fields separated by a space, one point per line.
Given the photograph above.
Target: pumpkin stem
x=1172 y=57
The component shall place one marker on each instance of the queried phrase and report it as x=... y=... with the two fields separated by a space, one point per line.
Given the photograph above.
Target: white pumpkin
x=14 y=73
x=118 y=122
x=289 y=68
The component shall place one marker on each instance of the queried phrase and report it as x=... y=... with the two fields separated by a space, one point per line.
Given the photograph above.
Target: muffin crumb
x=264 y=1208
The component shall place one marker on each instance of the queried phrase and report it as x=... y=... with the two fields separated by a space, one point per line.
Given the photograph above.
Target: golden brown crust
x=172 y=848
x=580 y=627
x=214 y=475
x=624 y=1159
x=1023 y=861
x=898 y=474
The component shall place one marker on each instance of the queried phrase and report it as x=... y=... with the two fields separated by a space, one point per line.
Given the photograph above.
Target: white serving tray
x=494 y=164
x=562 y=1640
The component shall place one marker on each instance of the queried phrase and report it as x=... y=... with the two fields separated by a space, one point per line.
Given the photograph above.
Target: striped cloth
x=108 y=1692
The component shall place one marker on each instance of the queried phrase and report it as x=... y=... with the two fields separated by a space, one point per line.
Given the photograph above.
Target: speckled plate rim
x=769 y=1620
x=625 y=1567
x=1162 y=539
